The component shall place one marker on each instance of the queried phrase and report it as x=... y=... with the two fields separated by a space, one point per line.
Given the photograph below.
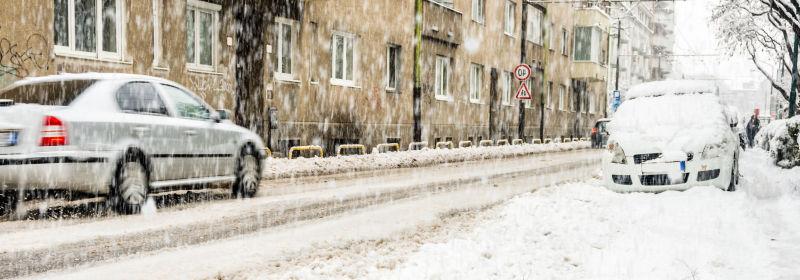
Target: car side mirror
x=223 y=114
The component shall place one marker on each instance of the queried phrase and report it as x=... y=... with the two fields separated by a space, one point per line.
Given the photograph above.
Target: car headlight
x=617 y=154
x=713 y=150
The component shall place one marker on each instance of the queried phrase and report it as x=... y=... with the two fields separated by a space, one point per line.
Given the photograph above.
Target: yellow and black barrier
x=306 y=151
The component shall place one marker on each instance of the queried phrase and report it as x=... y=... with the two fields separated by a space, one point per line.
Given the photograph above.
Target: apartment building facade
x=335 y=72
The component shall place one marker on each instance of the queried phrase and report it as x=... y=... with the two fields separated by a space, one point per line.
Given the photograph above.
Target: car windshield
x=53 y=93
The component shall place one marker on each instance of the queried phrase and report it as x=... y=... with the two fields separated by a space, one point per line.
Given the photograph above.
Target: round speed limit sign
x=522 y=72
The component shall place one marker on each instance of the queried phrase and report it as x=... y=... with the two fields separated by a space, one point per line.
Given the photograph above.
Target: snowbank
x=282 y=167
x=781 y=138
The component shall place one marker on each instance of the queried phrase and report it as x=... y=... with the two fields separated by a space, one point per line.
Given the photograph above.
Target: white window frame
x=534 y=29
x=157 y=32
x=196 y=6
x=561 y=92
x=552 y=36
x=99 y=53
x=549 y=101
x=389 y=49
x=442 y=74
x=510 y=18
x=508 y=86
x=564 y=41
x=475 y=82
x=349 y=40
x=280 y=22
x=595 y=40
x=479 y=11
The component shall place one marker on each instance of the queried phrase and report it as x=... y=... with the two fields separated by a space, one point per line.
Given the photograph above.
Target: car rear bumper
x=650 y=177
x=88 y=172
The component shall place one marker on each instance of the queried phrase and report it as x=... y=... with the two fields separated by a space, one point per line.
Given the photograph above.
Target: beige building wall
x=27 y=48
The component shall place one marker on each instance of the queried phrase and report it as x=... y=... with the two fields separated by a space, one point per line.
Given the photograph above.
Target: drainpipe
x=417 y=92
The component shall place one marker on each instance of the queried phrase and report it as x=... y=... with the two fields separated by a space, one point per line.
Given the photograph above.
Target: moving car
x=122 y=136
x=672 y=135
x=600 y=133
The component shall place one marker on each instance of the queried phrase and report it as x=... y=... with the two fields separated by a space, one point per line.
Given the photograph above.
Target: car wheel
x=734 y=176
x=130 y=186
x=247 y=174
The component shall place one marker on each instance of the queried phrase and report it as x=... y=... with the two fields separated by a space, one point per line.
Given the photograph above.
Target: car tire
x=734 y=176
x=131 y=183
x=248 y=175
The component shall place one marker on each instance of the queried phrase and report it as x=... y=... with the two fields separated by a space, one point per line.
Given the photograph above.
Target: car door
x=145 y=123
x=207 y=149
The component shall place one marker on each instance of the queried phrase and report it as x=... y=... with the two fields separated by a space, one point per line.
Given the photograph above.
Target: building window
x=510 y=18
x=157 y=32
x=564 y=41
x=88 y=28
x=478 y=10
x=551 y=35
x=587 y=44
x=442 y=84
x=343 y=59
x=549 y=100
x=534 y=32
x=201 y=29
x=562 y=91
x=392 y=67
x=285 y=42
x=475 y=82
x=507 y=87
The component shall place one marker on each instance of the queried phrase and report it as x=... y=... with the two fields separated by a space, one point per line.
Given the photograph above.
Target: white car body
x=178 y=150
x=672 y=135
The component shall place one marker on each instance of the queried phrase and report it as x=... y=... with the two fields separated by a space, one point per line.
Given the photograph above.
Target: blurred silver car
x=120 y=135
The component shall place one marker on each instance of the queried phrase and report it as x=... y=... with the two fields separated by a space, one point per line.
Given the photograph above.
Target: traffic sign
x=522 y=72
x=523 y=93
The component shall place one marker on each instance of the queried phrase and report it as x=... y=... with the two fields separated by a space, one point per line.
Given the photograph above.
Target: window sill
x=92 y=57
x=508 y=104
x=287 y=80
x=392 y=90
x=160 y=68
x=476 y=101
x=202 y=70
x=509 y=35
x=444 y=98
x=344 y=83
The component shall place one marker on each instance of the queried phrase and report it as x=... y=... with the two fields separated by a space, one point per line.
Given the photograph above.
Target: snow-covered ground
x=583 y=231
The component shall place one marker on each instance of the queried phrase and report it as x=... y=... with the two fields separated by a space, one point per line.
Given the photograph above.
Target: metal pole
x=521 y=120
x=793 y=92
x=544 y=76
x=417 y=92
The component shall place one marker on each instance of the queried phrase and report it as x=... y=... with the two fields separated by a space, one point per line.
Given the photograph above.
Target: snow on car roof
x=671 y=87
x=83 y=76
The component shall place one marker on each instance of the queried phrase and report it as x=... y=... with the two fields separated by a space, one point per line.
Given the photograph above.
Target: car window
x=56 y=93
x=186 y=105
x=140 y=97
x=601 y=126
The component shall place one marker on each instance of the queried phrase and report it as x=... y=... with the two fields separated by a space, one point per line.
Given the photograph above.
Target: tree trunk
x=249 y=16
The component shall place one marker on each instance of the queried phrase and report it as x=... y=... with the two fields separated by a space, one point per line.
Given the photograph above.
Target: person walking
x=753 y=126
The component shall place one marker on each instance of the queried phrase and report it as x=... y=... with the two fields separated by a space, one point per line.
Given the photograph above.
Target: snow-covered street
x=583 y=231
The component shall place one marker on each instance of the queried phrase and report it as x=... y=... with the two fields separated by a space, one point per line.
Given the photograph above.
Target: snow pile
x=282 y=167
x=671 y=87
x=685 y=123
x=781 y=138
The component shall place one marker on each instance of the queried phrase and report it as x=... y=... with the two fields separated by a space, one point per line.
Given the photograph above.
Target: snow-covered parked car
x=672 y=135
x=782 y=139
x=120 y=135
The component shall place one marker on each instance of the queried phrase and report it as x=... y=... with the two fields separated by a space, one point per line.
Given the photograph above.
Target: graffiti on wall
x=217 y=91
x=19 y=59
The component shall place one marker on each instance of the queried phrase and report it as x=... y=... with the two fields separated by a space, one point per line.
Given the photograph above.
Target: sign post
x=522 y=73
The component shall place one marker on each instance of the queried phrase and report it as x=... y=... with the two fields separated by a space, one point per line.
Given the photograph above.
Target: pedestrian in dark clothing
x=753 y=126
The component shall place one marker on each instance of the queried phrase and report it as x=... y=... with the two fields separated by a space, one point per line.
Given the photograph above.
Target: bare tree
x=764 y=31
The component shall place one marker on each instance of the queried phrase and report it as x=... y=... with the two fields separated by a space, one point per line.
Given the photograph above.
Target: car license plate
x=8 y=138
x=683 y=166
